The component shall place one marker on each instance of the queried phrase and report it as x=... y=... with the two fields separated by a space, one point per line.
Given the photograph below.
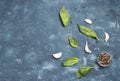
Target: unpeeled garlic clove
x=106 y=37
x=88 y=21
x=57 y=55
x=87 y=49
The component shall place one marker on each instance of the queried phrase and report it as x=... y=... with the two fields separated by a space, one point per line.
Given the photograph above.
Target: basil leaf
x=79 y=75
x=88 y=31
x=73 y=43
x=83 y=71
x=65 y=16
x=70 y=61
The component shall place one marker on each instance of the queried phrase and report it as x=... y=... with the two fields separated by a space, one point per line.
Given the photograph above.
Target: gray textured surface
x=31 y=31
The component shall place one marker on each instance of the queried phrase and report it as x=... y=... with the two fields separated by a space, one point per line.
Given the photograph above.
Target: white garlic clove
x=106 y=37
x=57 y=55
x=87 y=49
x=88 y=21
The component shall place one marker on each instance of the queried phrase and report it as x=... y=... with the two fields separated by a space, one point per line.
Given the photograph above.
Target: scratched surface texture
x=31 y=31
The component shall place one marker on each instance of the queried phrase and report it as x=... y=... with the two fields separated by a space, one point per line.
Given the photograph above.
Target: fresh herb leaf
x=70 y=61
x=83 y=71
x=73 y=43
x=79 y=75
x=65 y=16
x=88 y=31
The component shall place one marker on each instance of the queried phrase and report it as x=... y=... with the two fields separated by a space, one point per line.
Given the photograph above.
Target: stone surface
x=31 y=31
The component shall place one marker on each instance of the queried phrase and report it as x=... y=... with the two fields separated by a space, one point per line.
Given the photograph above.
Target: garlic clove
x=88 y=21
x=106 y=37
x=87 y=49
x=57 y=55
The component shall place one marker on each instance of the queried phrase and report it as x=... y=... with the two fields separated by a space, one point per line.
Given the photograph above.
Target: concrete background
x=31 y=31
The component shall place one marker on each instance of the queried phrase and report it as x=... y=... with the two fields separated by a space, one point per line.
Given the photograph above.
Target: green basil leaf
x=73 y=43
x=65 y=16
x=83 y=71
x=88 y=31
x=70 y=61
x=79 y=75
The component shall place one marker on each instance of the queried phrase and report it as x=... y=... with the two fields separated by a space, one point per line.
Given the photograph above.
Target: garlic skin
x=87 y=49
x=88 y=21
x=96 y=67
x=57 y=55
x=106 y=37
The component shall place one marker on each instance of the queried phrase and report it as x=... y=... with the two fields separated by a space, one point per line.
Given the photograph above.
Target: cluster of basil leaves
x=70 y=61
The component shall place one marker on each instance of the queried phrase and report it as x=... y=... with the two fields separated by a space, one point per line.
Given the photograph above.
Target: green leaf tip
x=64 y=16
x=83 y=71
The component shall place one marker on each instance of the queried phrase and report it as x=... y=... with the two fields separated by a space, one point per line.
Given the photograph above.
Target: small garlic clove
x=57 y=55
x=88 y=21
x=87 y=49
x=106 y=37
